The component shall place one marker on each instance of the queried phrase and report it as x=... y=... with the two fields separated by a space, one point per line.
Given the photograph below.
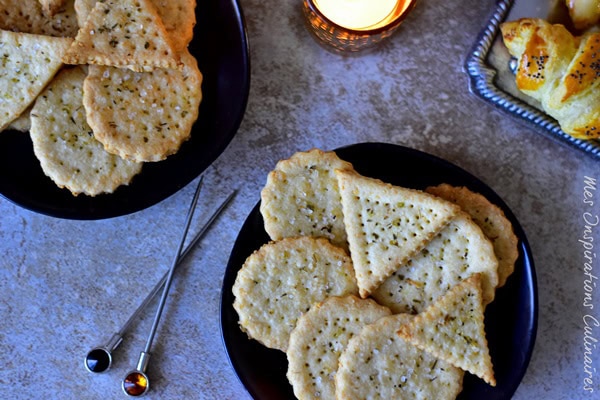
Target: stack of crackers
x=373 y=290
x=102 y=86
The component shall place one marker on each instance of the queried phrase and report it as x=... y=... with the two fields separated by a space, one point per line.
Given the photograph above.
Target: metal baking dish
x=491 y=78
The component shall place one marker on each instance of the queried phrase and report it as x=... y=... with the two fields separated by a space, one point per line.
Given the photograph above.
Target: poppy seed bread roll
x=559 y=70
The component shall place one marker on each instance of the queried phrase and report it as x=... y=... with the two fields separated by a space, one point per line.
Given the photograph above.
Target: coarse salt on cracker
x=452 y=329
x=301 y=198
x=319 y=338
x=377 y=364
x=491 y=220
x=143 y=116
x=386 y=225
x=282 y=280
x=28 y=62
x=64 y=144
x=27 y=16
x=125 y=33
x=455 y=253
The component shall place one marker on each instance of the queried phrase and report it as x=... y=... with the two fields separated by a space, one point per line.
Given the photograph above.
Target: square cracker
x=386 y=225
x=28 y=62
x=126 y=33
x=452 y=329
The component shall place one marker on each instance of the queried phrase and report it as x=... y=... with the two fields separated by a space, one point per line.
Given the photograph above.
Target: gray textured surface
x=67 y=285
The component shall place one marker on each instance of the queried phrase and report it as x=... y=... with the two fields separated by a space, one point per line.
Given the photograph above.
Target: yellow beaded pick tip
x=135 y=383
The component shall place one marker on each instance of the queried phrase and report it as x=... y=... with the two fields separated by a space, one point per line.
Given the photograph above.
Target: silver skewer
x=99 y=359
x=136 y=382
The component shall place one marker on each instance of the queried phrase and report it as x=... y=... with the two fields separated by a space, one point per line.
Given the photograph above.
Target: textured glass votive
x=353 y=37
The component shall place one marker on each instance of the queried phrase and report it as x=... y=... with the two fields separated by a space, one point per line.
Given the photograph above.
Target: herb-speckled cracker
x=491 y=220
x=27 y=63
x=452 y=329
x=64 y=144
x=301 y=198
x=379 y=365
x=282 y=280
x=143 y=116
x=455 y=253
x=319 y=338
x=386 y=225
x=178 y=17
x=27 y=16
x=124 y=33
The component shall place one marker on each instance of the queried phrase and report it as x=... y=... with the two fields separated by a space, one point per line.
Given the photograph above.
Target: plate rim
x=529 y=273
x=90 y=210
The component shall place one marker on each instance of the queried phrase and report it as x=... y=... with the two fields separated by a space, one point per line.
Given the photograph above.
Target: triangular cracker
x=452 y=329
x=178 y=17
x=455 y=253
x=28 y=62
x=126 y=33
x=386 y=225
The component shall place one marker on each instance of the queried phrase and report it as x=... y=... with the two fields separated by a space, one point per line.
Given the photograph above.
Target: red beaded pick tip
x=135 y=384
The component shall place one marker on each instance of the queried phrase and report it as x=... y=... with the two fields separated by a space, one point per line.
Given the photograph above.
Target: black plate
x=221 y=47
x=511 y=320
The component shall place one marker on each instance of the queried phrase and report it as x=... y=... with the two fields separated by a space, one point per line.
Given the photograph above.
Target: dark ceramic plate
x=221 y=47
x=511 y=320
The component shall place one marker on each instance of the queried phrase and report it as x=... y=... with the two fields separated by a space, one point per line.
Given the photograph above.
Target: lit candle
x=356 y=14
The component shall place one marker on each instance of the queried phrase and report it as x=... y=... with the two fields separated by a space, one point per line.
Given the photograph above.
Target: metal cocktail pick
x=136 y=382
x=99 y=359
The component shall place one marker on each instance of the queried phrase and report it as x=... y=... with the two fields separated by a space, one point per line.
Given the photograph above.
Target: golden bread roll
x=583 y=13
x=559 y=70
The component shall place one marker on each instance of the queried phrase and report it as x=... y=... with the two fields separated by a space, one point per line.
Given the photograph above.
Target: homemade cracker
x=378 y=364
x=491 y=220
x=143 y=116
x=452 y=329
x=125 y=33
x=64 y=144
x=282 y=280
x=386 y=225
x=52 y=7
x=454 y=254
x=27 y=16
x=28 y=62
x=319 y=338
x=22 y=123
x=178 y=17
x=301 y=198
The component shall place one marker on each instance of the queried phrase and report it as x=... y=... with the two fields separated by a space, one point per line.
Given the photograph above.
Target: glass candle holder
x=350 y=26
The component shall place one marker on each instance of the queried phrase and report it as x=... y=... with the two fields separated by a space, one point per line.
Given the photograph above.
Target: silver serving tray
x=491 y=78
